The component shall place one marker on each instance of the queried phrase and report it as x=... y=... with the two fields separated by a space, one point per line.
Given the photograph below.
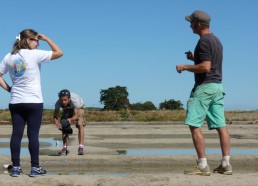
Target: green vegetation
x=95 y=115
x=148 y=105
x=116 y=98
x=171 y=105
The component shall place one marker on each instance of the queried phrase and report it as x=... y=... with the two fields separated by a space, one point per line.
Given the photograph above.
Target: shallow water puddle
x=183 y=151
x=24 y=150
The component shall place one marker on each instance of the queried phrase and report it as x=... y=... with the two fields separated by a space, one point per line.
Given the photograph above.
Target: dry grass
x=241 y=115
x=157 y=115
x=135 y=115
x=5 y=116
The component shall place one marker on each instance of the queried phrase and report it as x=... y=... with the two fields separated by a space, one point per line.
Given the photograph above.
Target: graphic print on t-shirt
x=18 y=68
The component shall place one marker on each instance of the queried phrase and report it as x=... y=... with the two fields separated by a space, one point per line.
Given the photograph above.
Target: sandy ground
x=103 y=165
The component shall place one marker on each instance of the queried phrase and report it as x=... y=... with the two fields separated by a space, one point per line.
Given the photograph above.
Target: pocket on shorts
x=210 y=91
x=214 y=92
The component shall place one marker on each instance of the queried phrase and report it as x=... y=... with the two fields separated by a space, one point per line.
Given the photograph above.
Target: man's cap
x=199 y=16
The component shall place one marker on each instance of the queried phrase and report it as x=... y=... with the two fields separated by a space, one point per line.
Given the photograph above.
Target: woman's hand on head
x=42 y=37
x=57 y=52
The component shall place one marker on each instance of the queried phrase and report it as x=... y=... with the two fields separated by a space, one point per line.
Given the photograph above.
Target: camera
x=66 y=126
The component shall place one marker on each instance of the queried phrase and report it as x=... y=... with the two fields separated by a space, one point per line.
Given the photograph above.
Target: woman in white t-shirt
x=26 y=103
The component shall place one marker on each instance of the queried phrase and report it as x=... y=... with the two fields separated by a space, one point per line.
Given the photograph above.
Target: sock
x=64 y=147
x=80 y=146
x=202 y=162
x=225 y=161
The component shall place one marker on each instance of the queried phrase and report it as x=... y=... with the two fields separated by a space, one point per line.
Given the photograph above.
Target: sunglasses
x=63 y=93
x=36 y=40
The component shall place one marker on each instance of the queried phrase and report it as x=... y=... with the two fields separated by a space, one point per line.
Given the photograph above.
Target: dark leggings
x=22 y=113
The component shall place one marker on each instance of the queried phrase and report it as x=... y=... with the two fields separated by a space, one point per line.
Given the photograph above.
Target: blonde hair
x=21 y=41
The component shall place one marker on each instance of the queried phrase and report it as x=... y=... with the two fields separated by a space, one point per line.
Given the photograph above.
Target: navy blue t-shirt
x=209 y=48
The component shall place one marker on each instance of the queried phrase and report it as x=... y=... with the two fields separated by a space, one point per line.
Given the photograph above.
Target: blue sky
x=137 y=44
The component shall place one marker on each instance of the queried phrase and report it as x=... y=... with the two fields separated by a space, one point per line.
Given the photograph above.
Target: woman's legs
x=22 y=113
x=18 y=123
x=34 y=119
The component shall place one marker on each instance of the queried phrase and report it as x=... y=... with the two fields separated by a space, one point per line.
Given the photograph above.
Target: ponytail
x=21 y=40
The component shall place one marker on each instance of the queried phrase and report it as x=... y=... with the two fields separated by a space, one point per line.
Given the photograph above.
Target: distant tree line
x=116 y=98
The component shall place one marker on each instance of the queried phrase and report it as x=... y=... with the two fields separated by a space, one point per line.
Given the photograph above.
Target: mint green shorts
x=206 y=101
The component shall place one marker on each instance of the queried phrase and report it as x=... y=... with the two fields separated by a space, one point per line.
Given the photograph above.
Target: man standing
x=73 y=112
x=207 y=96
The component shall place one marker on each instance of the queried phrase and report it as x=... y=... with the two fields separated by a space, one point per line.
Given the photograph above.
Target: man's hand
x=180 y=68
x=58 y=125
x=189 y=55
x=69 y=120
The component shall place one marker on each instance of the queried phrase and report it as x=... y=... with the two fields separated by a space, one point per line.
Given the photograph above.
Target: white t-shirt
x=24 y=69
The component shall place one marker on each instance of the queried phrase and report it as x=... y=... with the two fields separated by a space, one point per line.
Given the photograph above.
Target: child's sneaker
x=37 y=171
x=16 y=171
x=80 y=151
